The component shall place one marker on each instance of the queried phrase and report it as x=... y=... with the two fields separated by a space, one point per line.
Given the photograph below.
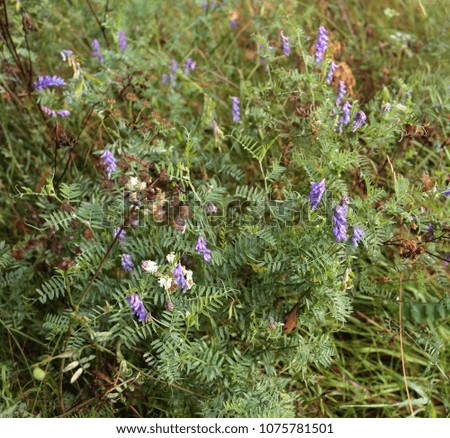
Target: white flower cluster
x=166 y=280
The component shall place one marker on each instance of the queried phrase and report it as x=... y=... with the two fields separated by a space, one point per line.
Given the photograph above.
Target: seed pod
x=76 y=375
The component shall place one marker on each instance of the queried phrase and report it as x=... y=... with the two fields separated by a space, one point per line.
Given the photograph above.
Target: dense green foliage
x=284 y=320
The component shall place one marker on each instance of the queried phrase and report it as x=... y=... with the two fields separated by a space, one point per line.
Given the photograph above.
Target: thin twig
x=98 y=22
x=97 y=271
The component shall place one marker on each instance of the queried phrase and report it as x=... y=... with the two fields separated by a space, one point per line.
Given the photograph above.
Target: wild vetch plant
x=218 y=211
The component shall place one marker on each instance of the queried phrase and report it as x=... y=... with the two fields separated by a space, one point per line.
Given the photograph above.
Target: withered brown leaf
x=290 y=321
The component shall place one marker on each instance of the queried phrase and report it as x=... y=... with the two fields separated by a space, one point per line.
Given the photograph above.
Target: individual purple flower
x=285 y=42
x=340 y=220
x=358 y=120
x=341 y=92
x=189 y=66
x=357 y=236
x=96 y=50
x=331 y=71
x=446 y=191
x=63 y=113
x=179 y=277
x=138 y=307
x=66 y=54
x=164 y=78
x=317 y=190
x=127 y=264
x=322 y=43
x=387 y=107
x=122 y=40
x=121 y=232
x=200 y=247
x=235 y=110
x=48 y=81
x=233 y=24
x=109 y=162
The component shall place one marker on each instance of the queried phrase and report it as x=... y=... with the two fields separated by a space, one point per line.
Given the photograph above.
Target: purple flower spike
x=446 y=192
x=345 y=119
x=235 y=110
x=96 y=50
x=357 y=236
x=48 y=81
x=200 y=247
x=138 y=307
x=285 y=42
x=164 y=78
x=121 y=233
x=331 y=71
x=340 y=220
x=179 y=277
x=122 y=40
x=322 y=43
x=109 y=162
x=341 y=92
x=358 y=120
x=317 y=190
x=127 y=264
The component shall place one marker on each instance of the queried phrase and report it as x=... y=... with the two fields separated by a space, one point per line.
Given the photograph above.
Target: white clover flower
x=142 y=185
x=170 y=257
x=133 y=181
x=149 y=266
x=165 y=282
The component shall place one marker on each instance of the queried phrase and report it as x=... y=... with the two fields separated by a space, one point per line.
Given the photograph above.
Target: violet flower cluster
x=341 y=92
x=189 y=66
x=122 y=40
x=322 y=43
x=285 y=43
x=96 y=50
x=235 y=110
x=357 y=236
x=109 y=162
x=53 y=113
x=179 y=277
x=127 y=264
x=48 y=81
x=138 y=307
x=121 y=234
x=317 y=190
x=345 y=119
x=340 y=220
x=200 y=247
